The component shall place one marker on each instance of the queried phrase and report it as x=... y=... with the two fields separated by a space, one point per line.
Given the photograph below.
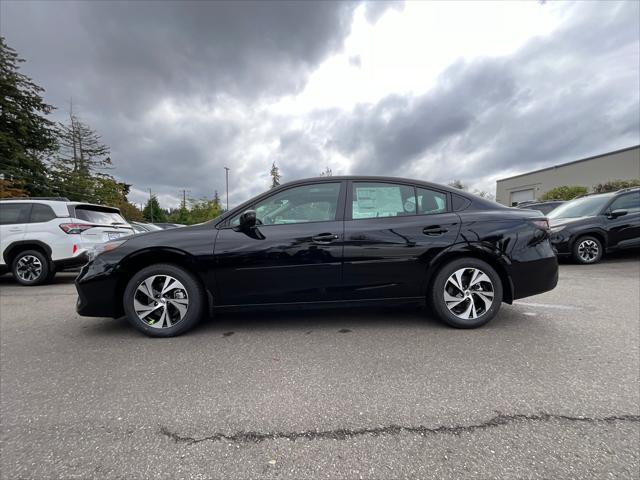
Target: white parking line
x=548 y=305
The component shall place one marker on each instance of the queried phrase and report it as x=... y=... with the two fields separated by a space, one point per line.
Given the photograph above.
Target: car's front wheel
x=466 y=293
x=31 y=267
x=587 y=250
x=163 y=300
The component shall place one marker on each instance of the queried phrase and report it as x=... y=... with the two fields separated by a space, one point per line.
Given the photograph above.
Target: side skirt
x=419 y=301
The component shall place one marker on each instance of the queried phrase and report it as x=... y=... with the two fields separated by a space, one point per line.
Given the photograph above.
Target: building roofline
x=570 y=163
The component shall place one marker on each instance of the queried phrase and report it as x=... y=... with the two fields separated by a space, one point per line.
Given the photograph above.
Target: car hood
x=561 y=222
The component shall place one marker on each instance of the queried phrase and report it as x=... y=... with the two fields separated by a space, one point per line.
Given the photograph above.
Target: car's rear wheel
x=587 y=250
x=466 y=293
x=163 y=300
x=31 y=267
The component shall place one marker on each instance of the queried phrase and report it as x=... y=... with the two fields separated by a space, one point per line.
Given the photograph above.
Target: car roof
x=375 y=178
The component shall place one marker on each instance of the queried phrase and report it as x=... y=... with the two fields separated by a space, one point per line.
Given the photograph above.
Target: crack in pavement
x=343 y=433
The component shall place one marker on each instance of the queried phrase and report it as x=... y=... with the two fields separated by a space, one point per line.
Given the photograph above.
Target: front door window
x=304 y=204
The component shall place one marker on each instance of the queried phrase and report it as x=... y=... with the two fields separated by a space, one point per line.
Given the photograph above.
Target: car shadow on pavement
x=62 y=278
x=309 y=321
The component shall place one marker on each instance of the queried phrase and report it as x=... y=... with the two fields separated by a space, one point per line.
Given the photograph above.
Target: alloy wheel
x=588 y=251
x=161 y=301
x=29 y=268
x=468 y=293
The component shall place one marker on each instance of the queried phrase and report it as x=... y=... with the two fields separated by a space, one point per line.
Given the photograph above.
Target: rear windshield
x=99 y=216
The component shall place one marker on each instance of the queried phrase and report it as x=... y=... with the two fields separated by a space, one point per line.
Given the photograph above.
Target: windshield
x=581 y=207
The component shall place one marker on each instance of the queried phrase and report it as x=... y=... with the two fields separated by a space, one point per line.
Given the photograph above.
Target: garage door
x=522 y=196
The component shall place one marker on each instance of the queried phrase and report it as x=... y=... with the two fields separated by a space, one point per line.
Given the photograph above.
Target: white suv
x=39 y=236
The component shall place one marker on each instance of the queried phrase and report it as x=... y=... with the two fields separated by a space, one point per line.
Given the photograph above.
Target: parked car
x=328 y=241
x=39 y=236
x=544 y=207
x=587 y=227
x=140 y=227
x=165 y=226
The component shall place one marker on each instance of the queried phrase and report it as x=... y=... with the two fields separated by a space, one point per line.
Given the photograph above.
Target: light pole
x=151 y=205
x=226 y=171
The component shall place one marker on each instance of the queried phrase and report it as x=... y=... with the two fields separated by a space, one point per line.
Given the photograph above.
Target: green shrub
x=615 y=185
x=564 y=192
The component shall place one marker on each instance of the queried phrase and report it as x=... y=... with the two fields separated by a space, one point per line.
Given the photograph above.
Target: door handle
x=434 y=230
x=325 y=238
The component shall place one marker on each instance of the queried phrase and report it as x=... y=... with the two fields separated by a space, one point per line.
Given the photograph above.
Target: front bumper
x=98 y=291
x=561 y=242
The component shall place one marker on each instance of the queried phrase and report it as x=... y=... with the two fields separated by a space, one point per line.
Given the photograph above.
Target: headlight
x=104 y=247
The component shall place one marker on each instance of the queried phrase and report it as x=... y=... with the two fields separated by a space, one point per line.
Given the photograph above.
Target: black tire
x=194 y=292
x=28 y=263
x=587 y=250
x=439 y=306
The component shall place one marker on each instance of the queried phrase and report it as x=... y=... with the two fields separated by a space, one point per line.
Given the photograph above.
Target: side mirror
x=248 y=220
x=617 y=213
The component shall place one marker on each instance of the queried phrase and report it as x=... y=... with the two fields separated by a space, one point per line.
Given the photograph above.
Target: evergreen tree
x=26 y=135
x=152 y=211
x=275 y=175
x=81 y=157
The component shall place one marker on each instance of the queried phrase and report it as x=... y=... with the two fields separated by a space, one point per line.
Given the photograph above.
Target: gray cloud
x=177 y=90
x=121 y=60
x=558 y=98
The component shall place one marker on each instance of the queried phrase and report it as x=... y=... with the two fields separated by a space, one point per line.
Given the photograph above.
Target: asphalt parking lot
x=549 y=389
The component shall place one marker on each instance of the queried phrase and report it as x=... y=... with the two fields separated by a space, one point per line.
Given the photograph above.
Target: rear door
x=44 y=226
x=392 y=231
x=13 y=223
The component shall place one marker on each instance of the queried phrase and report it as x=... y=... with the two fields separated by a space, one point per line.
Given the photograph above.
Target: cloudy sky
x=436 y=91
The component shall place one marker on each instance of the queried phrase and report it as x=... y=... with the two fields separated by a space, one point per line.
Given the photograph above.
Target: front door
x=294 y=254
x=624 y=231
x=392 y=231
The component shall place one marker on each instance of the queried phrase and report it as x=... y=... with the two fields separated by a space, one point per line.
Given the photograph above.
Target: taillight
x=543 y=224
x=74 y=228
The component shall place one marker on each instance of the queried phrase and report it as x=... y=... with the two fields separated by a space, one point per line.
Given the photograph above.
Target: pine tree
x=81 y=158
x=152 y=211
x=26 y=135
x=275 y=175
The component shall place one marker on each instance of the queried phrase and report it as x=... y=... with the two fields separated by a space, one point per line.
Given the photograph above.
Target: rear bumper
x=533 y=277
x=73 y=262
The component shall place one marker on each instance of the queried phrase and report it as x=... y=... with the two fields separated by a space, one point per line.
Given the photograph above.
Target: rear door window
x=98 y=216
x=378 y=200
x=430 y=201
x=13 y=213
x=41 y=213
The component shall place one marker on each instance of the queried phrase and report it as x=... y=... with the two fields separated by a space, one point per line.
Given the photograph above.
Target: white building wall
x=619 y=165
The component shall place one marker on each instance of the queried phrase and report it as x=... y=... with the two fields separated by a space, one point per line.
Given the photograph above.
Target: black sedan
x=586 y=227
x=328 y=241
